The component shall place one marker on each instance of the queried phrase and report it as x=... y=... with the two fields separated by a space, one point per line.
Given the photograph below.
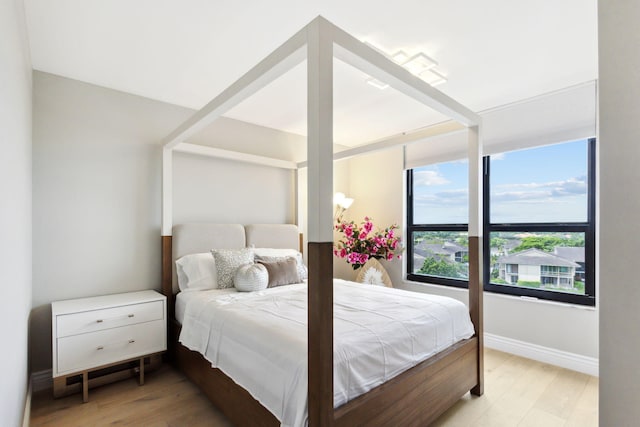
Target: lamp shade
x=346 y=203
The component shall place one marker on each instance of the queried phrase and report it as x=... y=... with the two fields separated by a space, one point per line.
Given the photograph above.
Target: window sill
x=532 y=300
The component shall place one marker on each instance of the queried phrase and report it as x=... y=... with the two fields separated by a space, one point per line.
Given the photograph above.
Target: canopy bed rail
x=441 y=379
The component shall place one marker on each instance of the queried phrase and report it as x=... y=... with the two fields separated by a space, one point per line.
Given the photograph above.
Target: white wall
x=15 y=208
x=231 y=192
x=376 y=184
x=619 y=70
x=96 y=191
x=341 y=176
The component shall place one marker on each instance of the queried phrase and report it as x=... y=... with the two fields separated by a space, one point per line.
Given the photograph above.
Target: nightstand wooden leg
x=141 y=381
x=85 y=387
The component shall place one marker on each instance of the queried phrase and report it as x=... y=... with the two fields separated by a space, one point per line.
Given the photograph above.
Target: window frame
x=588 y=228
x=411 y=228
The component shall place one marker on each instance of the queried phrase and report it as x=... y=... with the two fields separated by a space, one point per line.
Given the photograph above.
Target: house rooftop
x=536 y=257
x=575 y=254
x=446 y=248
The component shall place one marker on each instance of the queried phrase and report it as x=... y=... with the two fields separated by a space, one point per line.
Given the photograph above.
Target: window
x=438 y=246
x=539 y=233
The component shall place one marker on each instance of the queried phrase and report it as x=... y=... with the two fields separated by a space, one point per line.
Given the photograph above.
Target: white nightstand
x=95 y=333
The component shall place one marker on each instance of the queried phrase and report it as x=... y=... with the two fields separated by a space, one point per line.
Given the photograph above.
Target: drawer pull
x=100 y=347
x=132 y=341
x=116 y=318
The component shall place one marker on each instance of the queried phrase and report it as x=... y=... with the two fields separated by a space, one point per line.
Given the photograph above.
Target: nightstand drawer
x=79 y=352
x=97 y=320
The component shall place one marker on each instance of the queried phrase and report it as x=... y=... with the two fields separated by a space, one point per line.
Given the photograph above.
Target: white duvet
x=259 y=339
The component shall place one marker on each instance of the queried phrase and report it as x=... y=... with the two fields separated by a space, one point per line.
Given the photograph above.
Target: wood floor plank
x=520 y=396
x=561 y=396
x=518 y=392
x=501 y=371
x=539 y=418
x=465 y=412
x=494 y=359
x=513 y=387
x=585 y=413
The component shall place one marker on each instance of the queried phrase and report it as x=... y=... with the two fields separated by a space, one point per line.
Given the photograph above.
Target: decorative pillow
x=280 y=253
x=251 y=277
x=303 y=273
x=373 y=273
x=196 y=271
x=282 y=272
x=228 y=261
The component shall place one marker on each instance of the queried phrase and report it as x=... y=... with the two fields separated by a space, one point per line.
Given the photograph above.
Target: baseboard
x=26 y=415
x=564 y=359
x=42 y=380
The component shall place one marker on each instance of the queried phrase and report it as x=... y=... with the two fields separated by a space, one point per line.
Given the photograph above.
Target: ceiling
x=185 y=52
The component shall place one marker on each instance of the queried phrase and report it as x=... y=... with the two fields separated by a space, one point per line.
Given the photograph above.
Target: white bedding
x=260 y=338
x=184 y=297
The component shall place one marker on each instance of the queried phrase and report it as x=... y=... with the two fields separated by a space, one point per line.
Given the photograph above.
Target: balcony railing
x=556 y=274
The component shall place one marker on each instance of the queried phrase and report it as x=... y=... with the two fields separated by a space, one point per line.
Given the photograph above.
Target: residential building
x=575 y=254
x=534 y=265
x=449 y=251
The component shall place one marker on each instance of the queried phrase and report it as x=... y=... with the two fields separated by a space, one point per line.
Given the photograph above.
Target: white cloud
x=429 y=178
x=540 y=191
x=443 y=198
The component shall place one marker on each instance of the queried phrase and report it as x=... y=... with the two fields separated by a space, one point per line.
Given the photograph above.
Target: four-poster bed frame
x=415 y=397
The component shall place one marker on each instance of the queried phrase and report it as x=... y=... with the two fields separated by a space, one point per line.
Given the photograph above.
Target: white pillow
x=283 y=253
x=228 y=261
x=196 y=271
x=251 y=277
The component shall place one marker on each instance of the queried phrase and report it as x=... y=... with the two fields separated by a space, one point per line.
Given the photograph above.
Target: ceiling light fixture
x=420 y=64
x=433 y=77
x=400 y=57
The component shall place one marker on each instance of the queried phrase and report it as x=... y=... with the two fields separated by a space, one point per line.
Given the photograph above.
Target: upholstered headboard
x=285 y=236
x=194 y=238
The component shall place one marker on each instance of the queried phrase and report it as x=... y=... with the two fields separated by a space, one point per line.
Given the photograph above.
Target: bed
x=416 y=396
x=381 y=335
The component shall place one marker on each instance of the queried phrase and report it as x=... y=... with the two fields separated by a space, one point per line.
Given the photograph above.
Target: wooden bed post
x=167 y=274
x=476 y=171
x=320 y=223
x=165 y=232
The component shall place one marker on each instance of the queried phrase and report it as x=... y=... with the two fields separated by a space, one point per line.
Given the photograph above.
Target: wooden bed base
x=231 y=399
x=417 y=397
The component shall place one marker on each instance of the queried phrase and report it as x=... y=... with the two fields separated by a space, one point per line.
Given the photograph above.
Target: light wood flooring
x=518 y=392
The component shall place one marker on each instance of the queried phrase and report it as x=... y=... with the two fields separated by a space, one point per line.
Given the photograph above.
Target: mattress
x=259 y=339
x=184 y=297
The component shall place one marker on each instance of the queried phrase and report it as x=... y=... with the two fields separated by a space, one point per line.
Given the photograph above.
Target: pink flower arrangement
x=361 y=243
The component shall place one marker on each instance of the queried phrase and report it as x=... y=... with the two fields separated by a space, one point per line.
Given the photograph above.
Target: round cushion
x=251 y=277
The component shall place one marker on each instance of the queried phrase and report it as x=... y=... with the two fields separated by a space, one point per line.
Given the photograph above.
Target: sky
x=544 y=184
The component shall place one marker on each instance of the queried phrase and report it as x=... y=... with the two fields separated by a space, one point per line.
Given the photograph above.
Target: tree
x=498 y=242
x=544 y=243
x=440 y=267
x=462 y=241
x=549 y=243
